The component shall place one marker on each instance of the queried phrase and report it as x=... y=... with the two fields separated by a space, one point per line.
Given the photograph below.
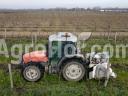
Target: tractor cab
x=62 y=44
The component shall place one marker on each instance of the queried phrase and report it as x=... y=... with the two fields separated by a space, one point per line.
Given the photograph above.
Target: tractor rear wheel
x=73 y=71
x=32 y=73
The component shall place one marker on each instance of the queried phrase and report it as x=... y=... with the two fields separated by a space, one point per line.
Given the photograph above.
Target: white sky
x=35 y=4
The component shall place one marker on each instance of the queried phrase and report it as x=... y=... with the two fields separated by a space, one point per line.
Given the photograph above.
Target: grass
x=52 y=85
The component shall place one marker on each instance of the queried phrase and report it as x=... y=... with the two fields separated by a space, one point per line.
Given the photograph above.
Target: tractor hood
x=35 y=56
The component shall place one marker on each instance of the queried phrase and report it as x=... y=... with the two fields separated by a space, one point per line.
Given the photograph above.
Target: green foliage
x=53 y=85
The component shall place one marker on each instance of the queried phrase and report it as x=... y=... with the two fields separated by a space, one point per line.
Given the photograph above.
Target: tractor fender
x=38 y=64
x=76 y=57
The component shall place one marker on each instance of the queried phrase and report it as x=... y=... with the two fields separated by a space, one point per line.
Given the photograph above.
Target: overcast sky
x=36 y=4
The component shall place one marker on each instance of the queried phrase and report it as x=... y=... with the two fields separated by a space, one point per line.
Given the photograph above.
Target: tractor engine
x=36 y=56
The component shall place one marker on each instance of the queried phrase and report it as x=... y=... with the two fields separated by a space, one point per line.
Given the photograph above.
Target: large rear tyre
x=32 y=73
x=73 y=71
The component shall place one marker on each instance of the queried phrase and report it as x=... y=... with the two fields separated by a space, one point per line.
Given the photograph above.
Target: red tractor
x=61 y=57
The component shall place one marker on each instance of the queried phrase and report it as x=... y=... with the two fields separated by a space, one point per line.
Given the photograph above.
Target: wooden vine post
x=10 y=75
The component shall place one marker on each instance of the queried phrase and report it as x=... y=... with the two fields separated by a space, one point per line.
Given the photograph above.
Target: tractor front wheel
x=73 y=71
x=32 y=73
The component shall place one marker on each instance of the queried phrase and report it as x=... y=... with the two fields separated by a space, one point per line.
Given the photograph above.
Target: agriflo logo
x=16 y=51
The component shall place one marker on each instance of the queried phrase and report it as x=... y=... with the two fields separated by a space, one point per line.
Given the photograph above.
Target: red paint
x=36 y=56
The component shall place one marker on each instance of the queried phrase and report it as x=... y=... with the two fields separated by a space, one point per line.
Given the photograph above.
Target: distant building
x=114 y=10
